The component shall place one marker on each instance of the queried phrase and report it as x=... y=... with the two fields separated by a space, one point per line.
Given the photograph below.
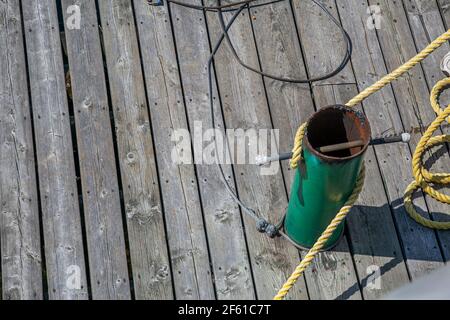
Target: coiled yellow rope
x=423 y=178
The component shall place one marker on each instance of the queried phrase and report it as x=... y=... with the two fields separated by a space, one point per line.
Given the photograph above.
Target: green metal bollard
x=324 y=182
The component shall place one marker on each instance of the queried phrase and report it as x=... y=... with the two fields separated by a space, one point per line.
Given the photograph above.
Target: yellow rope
x=401 y=70
x=324 y=237
x=423 y=178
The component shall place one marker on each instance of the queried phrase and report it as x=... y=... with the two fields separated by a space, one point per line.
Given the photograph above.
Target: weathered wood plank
x=19 y=211
x=188 y=248
x=280 y=54
x=223 y=224
x=426 y=24
x=371 y=219
x=412 y=91
x=57 y=181
x=420 y=244
x=245 y=106
x=444 y=6
x=444 y=10
x=101 y=200
x=290 y=105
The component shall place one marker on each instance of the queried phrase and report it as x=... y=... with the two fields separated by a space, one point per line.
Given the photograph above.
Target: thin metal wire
x=262 y=223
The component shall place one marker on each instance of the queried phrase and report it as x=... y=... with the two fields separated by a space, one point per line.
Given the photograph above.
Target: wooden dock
x=92 y=205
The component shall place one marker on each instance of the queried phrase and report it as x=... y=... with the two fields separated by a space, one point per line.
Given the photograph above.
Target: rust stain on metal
x=334 y=125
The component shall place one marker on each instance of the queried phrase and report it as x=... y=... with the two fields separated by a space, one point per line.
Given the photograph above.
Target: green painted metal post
x=324 y=182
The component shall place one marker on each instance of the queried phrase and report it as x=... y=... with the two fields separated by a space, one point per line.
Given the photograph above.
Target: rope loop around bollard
x=423 y=178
